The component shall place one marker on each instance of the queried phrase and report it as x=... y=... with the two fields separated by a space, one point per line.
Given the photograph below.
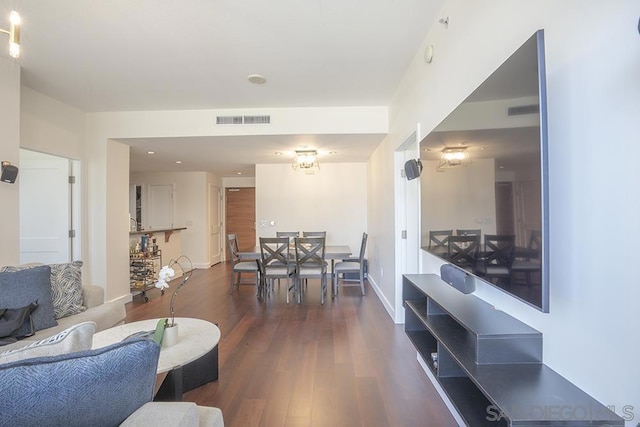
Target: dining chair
x=468 y=232
x=289 y=234
x=310 y=263
x=238 y=266
x=497 y=258
x=275 y=254
x=463 y=250
x=314 y=234
x=439 y=242
x=529 y=262
x=351 y=266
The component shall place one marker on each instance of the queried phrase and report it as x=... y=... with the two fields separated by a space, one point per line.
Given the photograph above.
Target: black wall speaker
x=412 y=169
x=457 y=278
x=9 y=173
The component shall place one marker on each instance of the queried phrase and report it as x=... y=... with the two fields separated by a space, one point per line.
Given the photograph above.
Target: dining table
x=331 y=252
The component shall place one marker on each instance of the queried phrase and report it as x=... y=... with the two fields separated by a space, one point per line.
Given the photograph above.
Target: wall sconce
x=14 y=34
x=453 y=157
x=306 y=160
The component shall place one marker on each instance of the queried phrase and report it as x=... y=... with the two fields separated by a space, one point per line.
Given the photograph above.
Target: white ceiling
x=131 y=55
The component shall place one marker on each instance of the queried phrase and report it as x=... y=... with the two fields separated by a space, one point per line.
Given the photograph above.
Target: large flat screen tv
x=484 y=180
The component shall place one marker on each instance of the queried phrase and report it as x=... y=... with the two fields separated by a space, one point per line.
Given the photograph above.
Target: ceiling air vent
x=228 y=120
x=257 y=120
x=523 y=109
x=240 y=120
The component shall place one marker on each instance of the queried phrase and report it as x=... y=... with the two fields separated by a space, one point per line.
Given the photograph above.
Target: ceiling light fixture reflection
x=14 y=34
x=453 y=157
x=306 y=160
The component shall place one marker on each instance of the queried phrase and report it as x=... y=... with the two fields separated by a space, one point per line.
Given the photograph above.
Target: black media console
x=489 y=363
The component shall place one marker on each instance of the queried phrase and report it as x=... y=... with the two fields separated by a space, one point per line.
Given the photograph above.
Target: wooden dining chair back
x=463 y=251
x=239 y=266
x=439 y=242
x=468 y=232
x=310 y=263
x=529 y=265
x=288 y=234
x=497 y=258
x=275 y=253
x=314 y=234
x=352 y=265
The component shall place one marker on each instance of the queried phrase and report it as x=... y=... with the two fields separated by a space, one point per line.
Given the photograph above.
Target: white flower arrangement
x=166 y=273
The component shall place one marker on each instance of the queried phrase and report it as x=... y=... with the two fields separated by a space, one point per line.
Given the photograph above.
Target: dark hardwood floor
x=341 y=364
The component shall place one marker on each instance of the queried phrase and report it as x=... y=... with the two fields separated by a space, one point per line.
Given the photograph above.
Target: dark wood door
x=241 y=216
x=504 y=208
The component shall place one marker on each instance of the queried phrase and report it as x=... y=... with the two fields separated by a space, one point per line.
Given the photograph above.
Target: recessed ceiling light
x=256 y=79
x=151 y=152
x=238 y=173
x=178 y=162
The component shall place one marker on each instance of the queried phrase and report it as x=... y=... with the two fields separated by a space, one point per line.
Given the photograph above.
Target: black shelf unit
x=490 y=364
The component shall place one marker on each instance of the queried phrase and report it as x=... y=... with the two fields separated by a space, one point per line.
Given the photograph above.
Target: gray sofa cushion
x=20 y=288
x=99 y=387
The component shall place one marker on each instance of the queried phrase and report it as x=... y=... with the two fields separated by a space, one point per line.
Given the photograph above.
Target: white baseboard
x=385 y=302
x=124 y=298
x=202 y=266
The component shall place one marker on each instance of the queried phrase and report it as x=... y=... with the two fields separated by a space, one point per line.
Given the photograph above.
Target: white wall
x=191 y=209
x=117 y=218
x=239 y=182
x=50 y=126
x=444 y=192
x=332 y=200
x=592 y=59
x=9 y=151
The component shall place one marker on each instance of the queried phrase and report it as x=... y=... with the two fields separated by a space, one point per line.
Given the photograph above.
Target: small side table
x=190 y=363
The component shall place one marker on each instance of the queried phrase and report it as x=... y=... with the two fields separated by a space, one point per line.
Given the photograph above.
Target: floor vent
x=240 y=120
x=523 y=109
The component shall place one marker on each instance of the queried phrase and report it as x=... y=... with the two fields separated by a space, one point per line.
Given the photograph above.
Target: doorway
x=240 y=217
x=504 y=208
x=49 y=208
x=215 y=225
x=407 y=215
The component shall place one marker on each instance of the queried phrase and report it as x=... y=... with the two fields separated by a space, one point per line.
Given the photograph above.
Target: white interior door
x=45 y=208
x=160 y=212
x=407 y=196
x=215 y=225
